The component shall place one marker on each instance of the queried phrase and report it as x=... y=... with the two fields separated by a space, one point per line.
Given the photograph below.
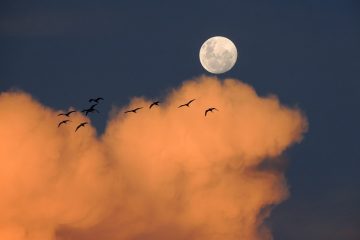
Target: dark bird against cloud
x=187 y=104
x=210 y=110
x=67 y=114
x=63 y=122
x=81 y=125
x=133 y=110
x=154 y=104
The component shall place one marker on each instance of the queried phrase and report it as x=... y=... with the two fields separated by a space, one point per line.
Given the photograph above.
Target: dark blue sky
x=306 y=52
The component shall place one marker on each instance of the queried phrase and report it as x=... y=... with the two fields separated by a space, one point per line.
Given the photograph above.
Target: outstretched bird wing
x=61 y=114
x=133 y=110
x=68 y=114
x=191 y=101
x=186 y=104
x=78 y=127
x=182 y=105
x=63 y=122
x=154 y=103
x=81 y=125
x=98 y=99
x=210 y=110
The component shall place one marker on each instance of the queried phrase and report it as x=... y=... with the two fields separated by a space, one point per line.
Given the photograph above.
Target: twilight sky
x=305 y=52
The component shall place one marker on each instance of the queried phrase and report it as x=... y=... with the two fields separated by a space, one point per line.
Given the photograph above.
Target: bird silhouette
x=63 y=122
x=187 y=104
x=210 y=110
x=81 y=125
x=95 y=99
x=154 y=103
x=67 y=114
x=90 y=110
x=133 y=110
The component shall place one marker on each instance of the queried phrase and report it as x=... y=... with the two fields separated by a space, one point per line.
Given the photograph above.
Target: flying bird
x=210 y=110
x=81 y=125
x=66 y=114
x=133 y=110
x=63 y=122
x=154 y=103
x=90 y=110
x=186 y=104
x=95 y=99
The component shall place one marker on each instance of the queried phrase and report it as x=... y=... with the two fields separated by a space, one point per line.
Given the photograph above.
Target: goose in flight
x=81 y=125
x=95 y=99
x=63 y=122
x=67 y=114
x=133 y=110
x=187 y=104
x=210 y=110
x=154 y=103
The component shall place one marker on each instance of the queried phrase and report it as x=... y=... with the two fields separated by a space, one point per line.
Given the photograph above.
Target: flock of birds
x=91 y=109
x=96 y=101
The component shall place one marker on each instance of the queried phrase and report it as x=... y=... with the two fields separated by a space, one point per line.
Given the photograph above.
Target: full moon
x=218 y=54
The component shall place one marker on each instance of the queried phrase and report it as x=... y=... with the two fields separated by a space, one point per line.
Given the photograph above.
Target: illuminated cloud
x=164 y=173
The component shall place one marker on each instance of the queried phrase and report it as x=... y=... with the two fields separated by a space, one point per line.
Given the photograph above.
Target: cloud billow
x=163 y=173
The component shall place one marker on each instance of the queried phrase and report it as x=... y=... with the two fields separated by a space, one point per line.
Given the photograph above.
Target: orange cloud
x=162 y=173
